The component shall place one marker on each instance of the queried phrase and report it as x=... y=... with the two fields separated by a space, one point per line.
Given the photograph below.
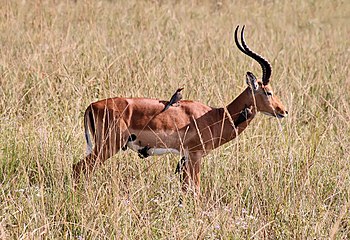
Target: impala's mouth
x=279 y=115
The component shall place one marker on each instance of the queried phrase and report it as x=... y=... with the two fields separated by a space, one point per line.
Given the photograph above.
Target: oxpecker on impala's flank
x=174 y=99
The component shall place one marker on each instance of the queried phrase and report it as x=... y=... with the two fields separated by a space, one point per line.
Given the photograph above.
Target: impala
x=190 y=129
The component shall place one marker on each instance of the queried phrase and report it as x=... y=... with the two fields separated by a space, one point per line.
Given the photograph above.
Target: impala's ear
x=251 y=81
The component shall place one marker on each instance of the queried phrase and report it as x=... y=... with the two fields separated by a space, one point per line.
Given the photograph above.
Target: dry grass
x=280 y=179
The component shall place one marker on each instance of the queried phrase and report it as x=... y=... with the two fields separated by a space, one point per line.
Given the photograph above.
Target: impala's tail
x=88 y=126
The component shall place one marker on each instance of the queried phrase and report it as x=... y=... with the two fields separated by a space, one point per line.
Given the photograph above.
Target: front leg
x=191 y=173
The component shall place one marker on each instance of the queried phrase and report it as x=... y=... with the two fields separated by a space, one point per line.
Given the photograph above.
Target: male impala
x=190 y=129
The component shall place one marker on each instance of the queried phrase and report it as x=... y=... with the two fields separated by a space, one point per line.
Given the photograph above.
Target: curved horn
x=237 y=42
x=265 y=65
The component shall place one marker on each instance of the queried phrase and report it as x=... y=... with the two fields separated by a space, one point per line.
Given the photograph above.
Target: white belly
x=152 y=151
x=161 y=151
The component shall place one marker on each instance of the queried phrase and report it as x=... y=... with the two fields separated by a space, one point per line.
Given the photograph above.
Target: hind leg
x=99 y=155
x=84 y=166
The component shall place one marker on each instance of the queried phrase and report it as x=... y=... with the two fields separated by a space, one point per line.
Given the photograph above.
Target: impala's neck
x=223 y=128
x=244 y=100
x=236 y=109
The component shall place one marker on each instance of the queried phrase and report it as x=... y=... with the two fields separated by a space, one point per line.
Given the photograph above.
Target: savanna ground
x=279 y=179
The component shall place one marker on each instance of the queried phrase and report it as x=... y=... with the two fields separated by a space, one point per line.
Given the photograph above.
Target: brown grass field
x=280 y=179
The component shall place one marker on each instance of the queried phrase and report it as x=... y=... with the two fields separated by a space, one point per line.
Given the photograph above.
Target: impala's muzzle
x=279 y=115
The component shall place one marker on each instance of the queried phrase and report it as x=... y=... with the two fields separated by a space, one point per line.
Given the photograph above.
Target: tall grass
x=280 y=179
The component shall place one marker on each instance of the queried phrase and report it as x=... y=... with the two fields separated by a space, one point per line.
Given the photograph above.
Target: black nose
x=286 y=112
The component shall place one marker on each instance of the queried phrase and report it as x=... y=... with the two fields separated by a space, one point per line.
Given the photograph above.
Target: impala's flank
x=191 y=129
